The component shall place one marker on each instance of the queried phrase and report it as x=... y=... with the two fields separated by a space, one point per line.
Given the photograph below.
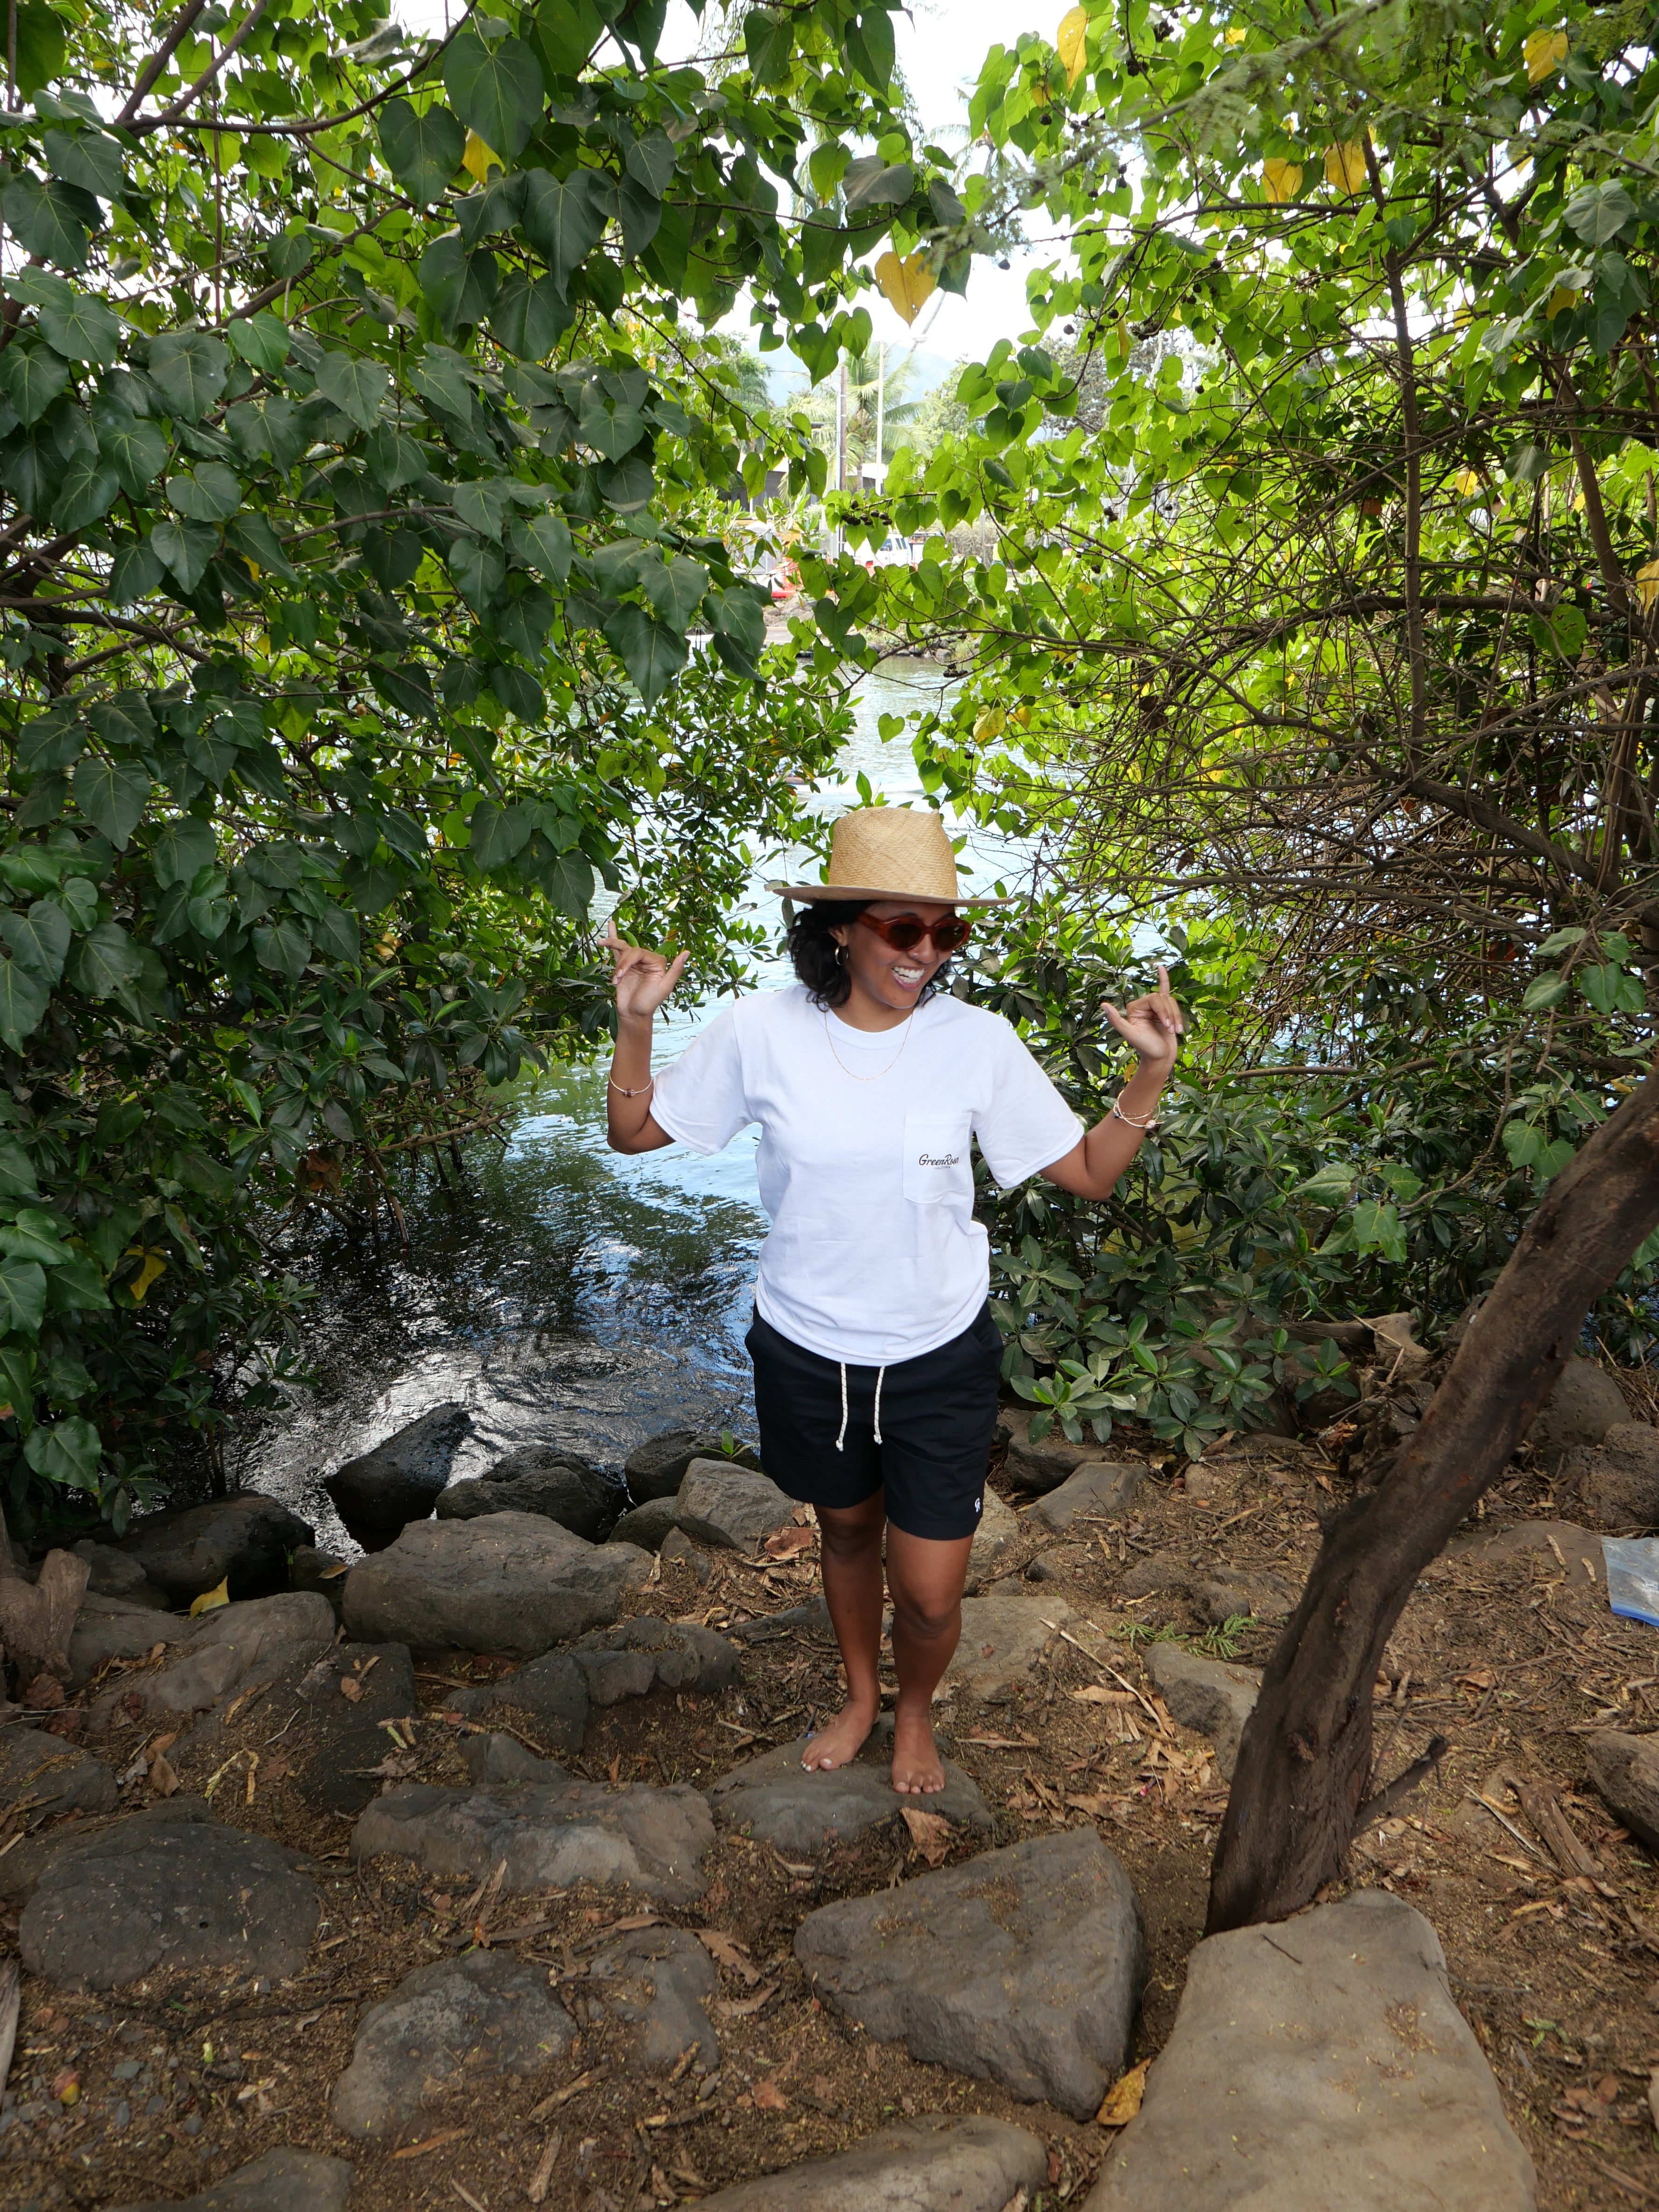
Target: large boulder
x=660 y=1982
x=775 y=1798
x=483 y=2016
x=283 y=2180
x=551 y=1691
x=549 y=1835
x=108 y=1628
x=683 y=1656
x=110 y=1574
x=1004 y=1639
x=1625 y=1769
x=1042 y=1465
x=730 y=1506
x=23 y=1863
x=513 y=1583
x=1614 y=1484
x=1023 y=1966
x=1096 y=1490
x=657 y=1468
x=51 y=1776
x=933 y=2164
x=382 y=1490
x=1210 y=1696
x=236 y=1648
x=568 y=1489
x=1585 y=1403
x=1321 y=2062
x=245 y=1540
x=179 y=1894
x=340 y=1749
x=649 y=1526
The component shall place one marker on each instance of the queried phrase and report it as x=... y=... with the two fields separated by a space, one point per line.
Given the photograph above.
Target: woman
x=876 y=1358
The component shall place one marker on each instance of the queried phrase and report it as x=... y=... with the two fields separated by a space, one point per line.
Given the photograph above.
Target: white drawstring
x=842 y=1432
x=880 y=1371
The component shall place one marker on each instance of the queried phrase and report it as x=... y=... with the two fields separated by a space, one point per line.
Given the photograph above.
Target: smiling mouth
x=908 y=975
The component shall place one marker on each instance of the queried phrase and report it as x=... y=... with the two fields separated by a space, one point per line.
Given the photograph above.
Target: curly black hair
x=817 y=955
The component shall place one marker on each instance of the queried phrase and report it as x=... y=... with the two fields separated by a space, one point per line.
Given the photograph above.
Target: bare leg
x=851 y=1546
x=926 y=1578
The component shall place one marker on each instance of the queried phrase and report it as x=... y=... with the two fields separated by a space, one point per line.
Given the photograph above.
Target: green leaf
x=83 y=330
x=33 y=377
x=393 y=460
x=76 y=1286
x=482 y=505
x=208 y=492
x=87 y=492
x=736 y=613
x=135 y=574
x=111 y=796
x=479 y=572
x=137 y=449
x=529 y=316
x=46 y=220
x=284 y=948
x=497 y=90
x=66 y=1451
x=500 y=834
x=608 y=424
x=1559 y=941
x=55 y=740
x=567 y=32
x=39 y=939
x=1330 y=1185
x=261 y=340
x=675 y=589
x=356 y=386
x=651 y=160
x=1546 y=990
x=422 y=151
x=871 y=183
x=183 y=849
x=23 y=1000
x=41 y=46
x=105 y=960
x=184 y=549
x=542 y=542
x=768 y=38
x=438 y=376
x=1599 y=212
x=253 y=538
x=17 y=1178
x=189 y=369
x=564 y=219
x=22 y=1296
x=870 y=48
x=652 y=655
x=36 y=1235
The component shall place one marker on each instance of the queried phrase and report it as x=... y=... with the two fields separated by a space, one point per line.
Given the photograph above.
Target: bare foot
x=918 y=1771
x=840 y=1743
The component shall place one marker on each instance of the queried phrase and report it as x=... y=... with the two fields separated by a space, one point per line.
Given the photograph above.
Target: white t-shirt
x=874 y=1254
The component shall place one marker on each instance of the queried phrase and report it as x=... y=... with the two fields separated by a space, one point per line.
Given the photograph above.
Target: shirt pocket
x=936 y=1165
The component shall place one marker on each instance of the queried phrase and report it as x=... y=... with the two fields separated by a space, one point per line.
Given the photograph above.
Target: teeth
x=907 y=974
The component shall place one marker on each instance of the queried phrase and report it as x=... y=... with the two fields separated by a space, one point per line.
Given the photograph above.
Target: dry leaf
x=729 y=1951
x=1345 y=165
x=929 y=1832
x=788 y=1541
x=1123 y=2100
x=1477 y=1678
x=209 y=1599
x=768 y=2098
x=1069 y=40
x=907 y=284
x=745 y=2007
x=163 y=1778
x=45 y=1694
x=1281 y=181
x=352 y=1688
x=1544 y=52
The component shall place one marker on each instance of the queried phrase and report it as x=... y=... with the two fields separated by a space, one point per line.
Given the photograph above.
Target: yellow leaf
x=1345 y=165
x=480 y=158
x=1236 y=34
x=209 y=1599
x=155 y=1264
x=991 y=723
x=1069 y=42
x=1647 y=583
x=1468 y=482
x=1281 y=181
x=907 y=284
x=1123 y=2100
x=1559 y=302
x=1545 y=51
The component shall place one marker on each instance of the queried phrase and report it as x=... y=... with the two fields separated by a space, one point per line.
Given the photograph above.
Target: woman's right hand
x=643 y=979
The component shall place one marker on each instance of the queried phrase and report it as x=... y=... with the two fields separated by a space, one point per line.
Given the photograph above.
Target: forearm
x=627 y=1121
x=1094 y=1169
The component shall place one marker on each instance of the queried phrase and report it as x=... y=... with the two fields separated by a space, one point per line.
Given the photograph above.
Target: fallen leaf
x=787 y=1542
x=209 y=1599
x=66 y=2086
x=45 y=1694
x=768 y=2098
x=930 y=1832
x=163 y=1780
x=742 y=2008
x=432 y=2143
x=352 y=1688
x=1477 y=1678
x=1123 y=2100
x=729 y=1951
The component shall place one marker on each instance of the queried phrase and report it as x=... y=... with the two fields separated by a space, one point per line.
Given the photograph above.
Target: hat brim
x=811 y=892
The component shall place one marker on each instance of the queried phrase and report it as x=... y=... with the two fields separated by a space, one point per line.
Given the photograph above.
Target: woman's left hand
x=1153 y=1025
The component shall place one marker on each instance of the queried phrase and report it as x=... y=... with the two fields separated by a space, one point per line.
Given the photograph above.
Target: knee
x=850 y=1545
x=926 y=1617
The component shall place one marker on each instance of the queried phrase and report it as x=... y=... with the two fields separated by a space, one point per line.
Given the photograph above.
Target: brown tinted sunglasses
x=904 y=932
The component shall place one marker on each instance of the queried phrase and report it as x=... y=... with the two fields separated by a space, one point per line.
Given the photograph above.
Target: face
x=893 y=980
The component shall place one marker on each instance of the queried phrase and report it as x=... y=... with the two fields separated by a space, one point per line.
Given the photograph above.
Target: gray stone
x=1023 y=1966
x=1041 y=1570
x=1005 y=1637
x=1489 y=1547
x=496 y=1758
x=1099 y=1490
x=659 y=1980
x=1239 y=1594
x=482 y=2016
x=342 y=1747
x=179 y=1894
x=933 y=2164
x=1208 y=1695
x=50 y=1775
x=684 y=1655
x=551 y=1835
x=650 y=1525
x=23 y=1863
x=677 y=1545
x=551 y=1690
x=283 y=2180
x=998 y=1532
x=399 y=1482
x=113 y=1573
x=570 y=1491
x=508 y=1582
x=657 y=1468
x=108 y=1628
x=1166 y=1573
x=1043 y=1466
x=1318 y=2062
x=1585 y=1403
x=773 y=1796
x=242 y=1647
x=1615 y=1484
x=245 y=1540
x=610 y=1676
x=1625 y=1769
x=731 y=1506
x=811 y=1618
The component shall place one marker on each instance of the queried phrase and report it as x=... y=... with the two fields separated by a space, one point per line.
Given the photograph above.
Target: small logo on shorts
x=976 y=1506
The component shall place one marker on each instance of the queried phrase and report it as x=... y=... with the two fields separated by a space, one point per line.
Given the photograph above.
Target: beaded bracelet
x=1147 y=1123
x=638 y=1093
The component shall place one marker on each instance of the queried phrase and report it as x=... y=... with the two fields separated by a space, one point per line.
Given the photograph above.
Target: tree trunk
x=1304 y=1762
x=37 y=1618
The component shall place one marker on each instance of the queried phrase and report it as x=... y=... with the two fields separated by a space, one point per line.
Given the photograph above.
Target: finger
x=1117 y=1020
x=677 y=968
x=1162 y=975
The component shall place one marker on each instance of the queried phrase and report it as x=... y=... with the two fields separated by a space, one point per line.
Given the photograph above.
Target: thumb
x=1113 y=1016
x=676 y=968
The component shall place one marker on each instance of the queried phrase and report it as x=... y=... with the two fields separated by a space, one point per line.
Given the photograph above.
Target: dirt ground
x=176 y=2084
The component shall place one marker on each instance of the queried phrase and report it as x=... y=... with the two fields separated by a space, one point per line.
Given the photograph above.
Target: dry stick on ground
x=1305 y=1756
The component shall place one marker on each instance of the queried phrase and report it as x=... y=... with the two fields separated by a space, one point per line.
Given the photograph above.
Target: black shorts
x=937 y=1414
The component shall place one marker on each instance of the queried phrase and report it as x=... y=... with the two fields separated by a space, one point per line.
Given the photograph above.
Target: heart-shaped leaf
x=675 y=588
x=189 y=369
x=22 y=1282
x=530 y=316
x=83 y=330
x=208 y=492
x=23 y=1000
x=479 y=572
x=183 y=847
x=652 y=655
x=39 y=939
x=66 y=1451
x=47 y=220
x=542 y=542
x=137 y=449
x=87 y=492
x=111 y=795
x=33 y=377
x=185 y=548
x=261 y=340
x=422 y=151
x=564 y=219
x=355 y=386
x=496 y=89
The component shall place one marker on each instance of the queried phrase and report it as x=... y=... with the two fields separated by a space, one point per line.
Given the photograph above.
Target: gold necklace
x=880 y=1071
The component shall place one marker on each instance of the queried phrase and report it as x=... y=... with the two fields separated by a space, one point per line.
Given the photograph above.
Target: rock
x=657 y=1468
x=283 y=2180
x=192 y=1548
x=998 y=1532
x=108 y=1628
x=1041 y=1570
x=507 y=1582
x=552 y=1835
x=23 y=1864
x=552 y=1691
x=933 y=2164
x=1615 y=1484
x=51 y=1775
x=342 y=1746
x=610 y=1676
x=569 y=1491
x=1100 y=1489
x=1626 y=1770
x=730 y=1506
x=1023 y=1966
x=678 y=1546
x=772 y=1627
x=1043 y=1466
x=1486 y=1546
x=1319 y=2062
x=659 y=1980
x=1166 y=1573
x=322 y=1571
x=684 y=1655
x=496 y=1758
x=112 y=1574
x=773 y=1796
x=1209 y=1695
x=1239 y=1594
x=399 y=1482
x=650 y=1525
x=1398 y=1351
x=178 y=1895
x=1004 y=1638
x=241 y=1647
x=1585 y=1403
x=485 y=2015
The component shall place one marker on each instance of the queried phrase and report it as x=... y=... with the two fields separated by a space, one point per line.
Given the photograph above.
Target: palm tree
x=865 y=403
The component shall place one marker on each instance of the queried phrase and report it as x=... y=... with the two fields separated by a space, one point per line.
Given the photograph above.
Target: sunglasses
x=904 y=932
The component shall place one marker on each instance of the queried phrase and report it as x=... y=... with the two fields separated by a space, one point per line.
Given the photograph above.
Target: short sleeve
x=701 y=1099
x=1028 y=1124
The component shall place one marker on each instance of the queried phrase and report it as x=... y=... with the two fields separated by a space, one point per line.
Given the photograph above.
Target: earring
x=841 y=955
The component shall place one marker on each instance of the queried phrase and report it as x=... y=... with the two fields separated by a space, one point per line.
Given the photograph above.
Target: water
x=562 y=1292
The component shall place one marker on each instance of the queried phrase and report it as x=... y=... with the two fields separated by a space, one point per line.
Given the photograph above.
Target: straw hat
x=886 y=852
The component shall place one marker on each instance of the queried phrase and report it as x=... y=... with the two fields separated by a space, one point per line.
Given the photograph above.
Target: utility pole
x=881 y=404
x=840 y=447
